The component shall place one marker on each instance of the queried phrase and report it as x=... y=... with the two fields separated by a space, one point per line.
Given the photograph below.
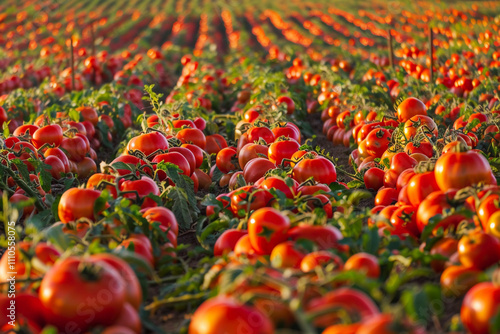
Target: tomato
x=386 y=196
x=129 y=318
x=57 y=152
x=434 y=204
x=197 y=152
x=420 y=186
x=267 y=227
x=364 y=263
x=390 y=179
x=313 y=190
x=227 y=241
x=318 y=168
x=282 y=149
x=148 y=143
x=290 y=105
x=133 y=293
x=57 y=167
x=186 y=153
x=423 y=147
x=286 y=255
x=65 y=291
x=342 y=119
x=356 y=303
x=257 y=168
x=493 y=225
x=479 y=250
x=325 y=237
x=215 y=143
x=445 y=247
x=164 y=216
x=49 y=134
x=256 y=133
x=403 y=221
x=386 y=324
x=457 y=280
x=130 y=160
x=179 y=123
x=280 y=184
x=224 y=160
x=377 y=142
x=322 y=202
x=86 y=167
x=457 y=170
x=289 y=130
x=409 y=108
x=402 y=161
x=321 y=259
x=25 y=129
x=225 y=315
x=412 y=126
x=480 y=305
x=374 y=178
x=173 y=158
x=249 y=198
x=342 y=329
x=251 y=151
x=77 y=203
x=96 y=179
x=141 y=246
x=143 y=188
x=88 y=114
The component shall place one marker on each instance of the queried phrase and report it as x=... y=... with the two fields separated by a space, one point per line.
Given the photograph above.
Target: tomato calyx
x=90 y=272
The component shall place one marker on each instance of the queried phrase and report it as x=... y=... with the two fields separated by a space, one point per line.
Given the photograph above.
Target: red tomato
x=225 y=314
x=257 y=133
x=65 y=291
x=282 y=149
x=267 y=227
x=377 y=142
x=420 y=186
x=173 y=158
x=318 y=168
x=164 y=216
x=227 y=241
x=256 y=168
x=148 y=143
x=142 y=187
x=479 y=250
x=225 y=158
x=277 y=183
x=409 y=108
x=77 y=203
x=251 y=151
x=364 y=263
x=286 y=255
x=386 y=196
x=49 y=134
x=480 y=305
x=322 y=259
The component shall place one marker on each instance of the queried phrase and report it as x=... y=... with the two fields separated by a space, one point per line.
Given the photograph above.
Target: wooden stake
x=72 y=64
x=391 y=49
x=431 y=52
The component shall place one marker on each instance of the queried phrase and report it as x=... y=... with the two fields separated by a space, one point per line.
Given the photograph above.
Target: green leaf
x=22 y=168
x=44 y=176
x=74 y=115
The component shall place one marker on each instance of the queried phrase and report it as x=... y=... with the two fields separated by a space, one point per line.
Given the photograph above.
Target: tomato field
x=253 y=167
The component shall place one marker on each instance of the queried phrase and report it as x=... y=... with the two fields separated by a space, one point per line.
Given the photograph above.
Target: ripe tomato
x=386 y=196
x=164 y=216
x=277 y=183
x=374 y=178
x=65 y=291
x=404 y=222
x=140 y=245
x=325 y=237
x=215 y=143
x=256 y=168
x=322 y=259
x=174 y=158
x=77 y=203
x=225 y=314
x=95 y=179
x=197 y=152
x=186 y=153
x=434 y=204
x=88 y=114
x=148 y=143
x=227 y=241
x=289 y=130
x=282 y=149
x=409 y=108
x=377 y=142
x=356 y=303
x=364 y=263
x=224 y=160
x=457 y=280
x=420 y=186
x=267 y=227
x=479 y=250
x=133 y=291
x=457 y=170
x=290 y=105
x=251 y=151
x=412 y=125
x=423 y=147
x=143 y=188
x=480 y=305
x=249 y=198
x=445 y=247
x=318 y=168
x=256 y=133
x=402 y=161
x=286 y=255
x=49 y=134
x=57 y=152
